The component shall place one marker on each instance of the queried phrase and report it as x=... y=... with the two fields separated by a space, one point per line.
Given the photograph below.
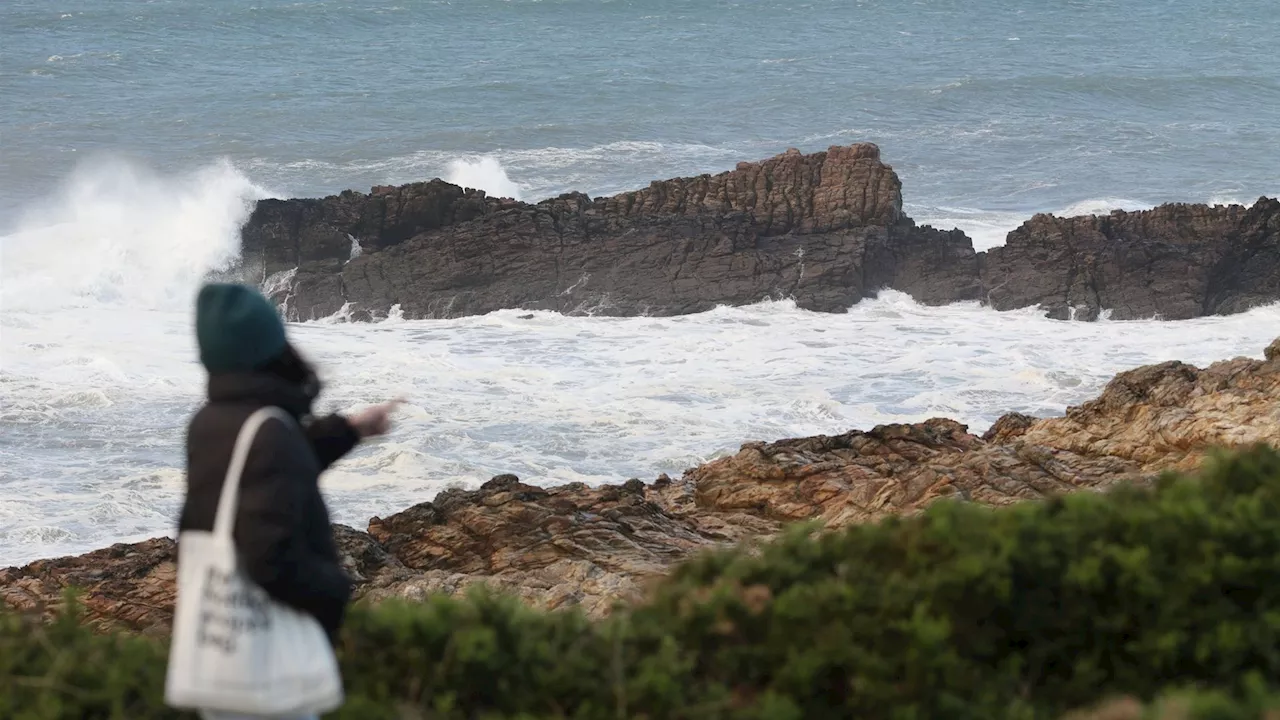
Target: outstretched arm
x=332 y=438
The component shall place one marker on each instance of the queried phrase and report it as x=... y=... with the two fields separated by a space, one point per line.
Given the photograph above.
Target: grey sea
x=134 y=136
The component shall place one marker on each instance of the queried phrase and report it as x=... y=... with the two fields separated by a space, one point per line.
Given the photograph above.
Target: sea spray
x=484 y=173
x=116 y=233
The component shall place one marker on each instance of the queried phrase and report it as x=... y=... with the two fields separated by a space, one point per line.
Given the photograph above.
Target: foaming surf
x=96 y=366
x=483 y=173
x=98 y=370
x=558 y=399
x=119 y=234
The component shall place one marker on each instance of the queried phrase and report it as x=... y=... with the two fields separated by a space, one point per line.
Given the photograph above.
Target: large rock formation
x=825 y=229
x=576 y=545
x=1173 y=262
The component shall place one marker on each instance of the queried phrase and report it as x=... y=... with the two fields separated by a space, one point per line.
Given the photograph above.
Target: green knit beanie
x=237 y=328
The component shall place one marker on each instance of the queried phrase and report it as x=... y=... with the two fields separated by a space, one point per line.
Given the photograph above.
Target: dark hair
x=294 y=369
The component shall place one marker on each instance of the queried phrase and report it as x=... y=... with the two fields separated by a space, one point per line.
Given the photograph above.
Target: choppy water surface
x=134 y=135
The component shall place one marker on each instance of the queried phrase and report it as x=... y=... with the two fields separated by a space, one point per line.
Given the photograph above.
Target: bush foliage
x=1168 y=595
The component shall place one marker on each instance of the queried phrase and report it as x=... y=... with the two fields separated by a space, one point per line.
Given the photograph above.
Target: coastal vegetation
x=1159 y=601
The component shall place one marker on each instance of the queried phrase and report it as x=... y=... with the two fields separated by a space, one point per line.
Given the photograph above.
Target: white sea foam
x=1229 y=198
x=986 y=228
x=483 y=173
x=1101 y=206
x=98 y=372
x=119 y=234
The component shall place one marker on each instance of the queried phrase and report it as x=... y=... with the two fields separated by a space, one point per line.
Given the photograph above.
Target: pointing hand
x=375 y=420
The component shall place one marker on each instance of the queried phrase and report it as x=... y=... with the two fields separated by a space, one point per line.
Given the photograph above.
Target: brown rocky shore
x=577 y=545
x=825 y=229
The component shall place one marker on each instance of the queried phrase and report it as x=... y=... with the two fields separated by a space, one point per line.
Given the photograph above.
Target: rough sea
x=134 y=136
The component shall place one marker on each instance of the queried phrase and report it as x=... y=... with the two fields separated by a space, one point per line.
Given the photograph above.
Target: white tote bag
x=235 y=649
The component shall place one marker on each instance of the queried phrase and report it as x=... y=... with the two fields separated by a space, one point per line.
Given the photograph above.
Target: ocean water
x=135 y=135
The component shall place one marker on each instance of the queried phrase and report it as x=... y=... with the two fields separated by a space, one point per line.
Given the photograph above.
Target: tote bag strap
x=225 y=519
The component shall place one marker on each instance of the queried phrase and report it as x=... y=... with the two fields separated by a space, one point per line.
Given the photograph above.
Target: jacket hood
x=261 y=389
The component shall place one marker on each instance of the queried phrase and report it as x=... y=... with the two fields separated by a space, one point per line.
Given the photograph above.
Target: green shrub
x=1171 y=594
x=62 y=670
x=1019 y=612
x=484 y=653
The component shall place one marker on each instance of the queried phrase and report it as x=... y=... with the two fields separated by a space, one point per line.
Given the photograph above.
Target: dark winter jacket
x=282 y=529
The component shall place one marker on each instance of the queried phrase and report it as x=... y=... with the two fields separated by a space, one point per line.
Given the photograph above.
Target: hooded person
x=283 y=537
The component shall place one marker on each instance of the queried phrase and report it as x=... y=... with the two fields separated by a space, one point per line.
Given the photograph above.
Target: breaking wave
x=117 y=233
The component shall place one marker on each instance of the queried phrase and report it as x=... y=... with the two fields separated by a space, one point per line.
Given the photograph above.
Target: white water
x=98 y=372
x=118 y=234
x=483 y=173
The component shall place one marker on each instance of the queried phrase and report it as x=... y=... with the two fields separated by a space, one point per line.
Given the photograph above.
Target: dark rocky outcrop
x=824 y=229
x=1172 y=262
x=575 y=545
